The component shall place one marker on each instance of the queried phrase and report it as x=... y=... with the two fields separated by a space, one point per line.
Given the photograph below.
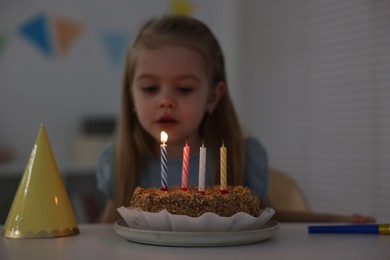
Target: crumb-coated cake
x=193 y=203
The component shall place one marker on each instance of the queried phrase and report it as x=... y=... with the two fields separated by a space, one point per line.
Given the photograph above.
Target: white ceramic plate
x=171 y=238
x=209 y=222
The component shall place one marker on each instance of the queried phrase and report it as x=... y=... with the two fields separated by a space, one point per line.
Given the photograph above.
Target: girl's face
x=171 y=92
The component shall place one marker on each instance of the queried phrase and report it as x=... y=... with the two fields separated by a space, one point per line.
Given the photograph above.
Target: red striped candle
x=184 y=173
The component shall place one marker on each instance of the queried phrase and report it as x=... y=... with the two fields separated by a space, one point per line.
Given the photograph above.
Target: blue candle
x=164 y=161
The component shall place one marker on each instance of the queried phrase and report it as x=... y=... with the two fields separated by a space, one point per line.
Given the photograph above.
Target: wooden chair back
x=284 y=193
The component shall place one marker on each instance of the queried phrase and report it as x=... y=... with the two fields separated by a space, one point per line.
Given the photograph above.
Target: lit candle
x=223 y=169
x=184 y=174
x=202 y=168
x=164 y=161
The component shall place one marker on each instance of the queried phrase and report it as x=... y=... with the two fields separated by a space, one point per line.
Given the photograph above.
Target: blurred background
x=309 y=78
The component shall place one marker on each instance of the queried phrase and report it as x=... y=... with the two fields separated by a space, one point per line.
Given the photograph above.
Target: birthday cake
x=192 y=203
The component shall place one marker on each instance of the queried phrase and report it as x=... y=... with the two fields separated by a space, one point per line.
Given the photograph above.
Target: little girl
x=175 y=82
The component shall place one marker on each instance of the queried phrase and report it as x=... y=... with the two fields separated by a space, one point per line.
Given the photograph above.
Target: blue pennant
x=36 y=31
x=116 y=46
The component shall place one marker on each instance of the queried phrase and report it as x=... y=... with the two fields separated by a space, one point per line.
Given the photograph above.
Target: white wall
x=315 y=76
x=61 y=91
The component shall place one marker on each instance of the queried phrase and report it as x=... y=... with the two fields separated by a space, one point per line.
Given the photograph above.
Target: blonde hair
x=134 y=146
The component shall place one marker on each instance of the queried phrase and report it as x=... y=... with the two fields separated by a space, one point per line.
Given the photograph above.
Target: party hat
x=41 y=206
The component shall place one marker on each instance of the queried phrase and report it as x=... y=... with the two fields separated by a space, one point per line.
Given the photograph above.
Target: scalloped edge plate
x=208 y=222
x=196 y=239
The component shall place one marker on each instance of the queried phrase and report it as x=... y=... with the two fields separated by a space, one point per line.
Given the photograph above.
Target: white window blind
x=316 y=78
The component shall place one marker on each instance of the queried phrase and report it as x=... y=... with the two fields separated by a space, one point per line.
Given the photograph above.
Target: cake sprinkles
x=194 y=204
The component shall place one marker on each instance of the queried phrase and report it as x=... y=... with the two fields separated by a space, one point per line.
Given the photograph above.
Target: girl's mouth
x=167 y=121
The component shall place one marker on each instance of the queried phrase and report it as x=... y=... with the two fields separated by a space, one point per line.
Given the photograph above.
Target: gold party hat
x=41 y=206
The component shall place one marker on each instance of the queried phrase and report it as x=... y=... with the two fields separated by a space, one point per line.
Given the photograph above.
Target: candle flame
x=164 y=137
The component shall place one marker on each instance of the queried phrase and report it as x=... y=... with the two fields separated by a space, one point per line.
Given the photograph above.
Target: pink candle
x=184 y=174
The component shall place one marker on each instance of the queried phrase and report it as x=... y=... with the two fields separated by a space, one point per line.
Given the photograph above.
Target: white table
x=291 y=242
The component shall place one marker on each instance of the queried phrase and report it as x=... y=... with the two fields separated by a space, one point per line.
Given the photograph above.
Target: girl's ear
x=215 y=95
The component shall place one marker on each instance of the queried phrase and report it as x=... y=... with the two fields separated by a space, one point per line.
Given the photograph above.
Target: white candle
x=202 y=168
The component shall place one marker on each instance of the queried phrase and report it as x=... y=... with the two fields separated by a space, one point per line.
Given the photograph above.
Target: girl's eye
x=150 y=89
x=185 y=90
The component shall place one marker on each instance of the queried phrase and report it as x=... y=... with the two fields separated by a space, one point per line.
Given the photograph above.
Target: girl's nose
x=167 y=102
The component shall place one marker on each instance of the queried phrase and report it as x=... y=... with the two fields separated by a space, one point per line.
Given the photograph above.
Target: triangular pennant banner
x=37 y=32
x=116 y=45
x=3 y=42
x=181 y=7
x=66 y=32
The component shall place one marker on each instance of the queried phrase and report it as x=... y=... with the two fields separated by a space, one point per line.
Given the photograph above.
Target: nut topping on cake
x=194 y=204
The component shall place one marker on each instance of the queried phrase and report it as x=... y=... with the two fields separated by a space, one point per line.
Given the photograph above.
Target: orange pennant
x=66 y=32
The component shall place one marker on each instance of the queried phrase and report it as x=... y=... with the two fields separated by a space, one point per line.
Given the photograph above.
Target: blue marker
x=382 y=229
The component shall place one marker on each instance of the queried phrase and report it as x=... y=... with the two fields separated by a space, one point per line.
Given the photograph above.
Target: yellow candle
x=223 y=168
